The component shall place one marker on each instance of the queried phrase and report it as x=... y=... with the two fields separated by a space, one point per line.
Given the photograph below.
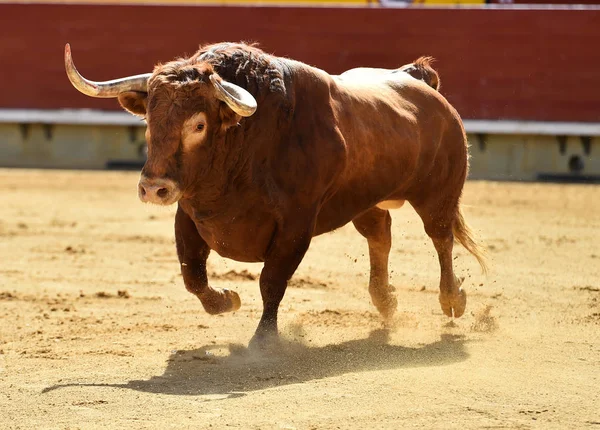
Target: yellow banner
x=259 y=2
x=200 y=2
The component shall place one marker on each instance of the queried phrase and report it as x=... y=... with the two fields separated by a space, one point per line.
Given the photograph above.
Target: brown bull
x=263 y=153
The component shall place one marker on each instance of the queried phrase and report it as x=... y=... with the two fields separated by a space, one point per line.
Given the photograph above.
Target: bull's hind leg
x=375 y=225
x=438 y=220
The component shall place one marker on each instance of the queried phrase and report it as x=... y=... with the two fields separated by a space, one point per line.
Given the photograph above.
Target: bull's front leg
x=193 y=252
x=285 y=254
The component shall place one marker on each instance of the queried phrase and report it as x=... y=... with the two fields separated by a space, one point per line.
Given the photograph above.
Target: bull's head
x=187 y=107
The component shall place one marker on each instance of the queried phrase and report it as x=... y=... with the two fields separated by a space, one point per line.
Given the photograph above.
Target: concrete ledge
x=91 y=139
x=473 y=126
x=69 y=117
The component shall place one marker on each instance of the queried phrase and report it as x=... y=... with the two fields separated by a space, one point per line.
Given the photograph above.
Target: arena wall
x=519 y=64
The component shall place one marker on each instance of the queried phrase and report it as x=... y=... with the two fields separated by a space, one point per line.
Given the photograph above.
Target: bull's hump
x=369 y=76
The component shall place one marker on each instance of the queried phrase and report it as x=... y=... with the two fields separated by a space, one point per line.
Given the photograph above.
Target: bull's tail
x=464 y=236
x=421 y=69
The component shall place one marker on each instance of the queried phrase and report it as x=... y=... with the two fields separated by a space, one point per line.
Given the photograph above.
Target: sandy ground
x=97 y=330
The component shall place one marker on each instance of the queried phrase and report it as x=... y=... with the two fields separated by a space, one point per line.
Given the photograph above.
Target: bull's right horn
x=106 y=89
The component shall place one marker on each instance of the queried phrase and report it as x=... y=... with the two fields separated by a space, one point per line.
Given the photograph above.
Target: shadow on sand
x=198 y=372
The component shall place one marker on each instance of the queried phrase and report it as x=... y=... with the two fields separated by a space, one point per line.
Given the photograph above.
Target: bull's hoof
x=387 y=308
x=384 y=300
x=265 y=341
x=218 y=302
x=454 y=305
x=233 y=299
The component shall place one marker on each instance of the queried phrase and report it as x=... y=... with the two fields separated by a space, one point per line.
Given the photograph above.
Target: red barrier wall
x=494 y=64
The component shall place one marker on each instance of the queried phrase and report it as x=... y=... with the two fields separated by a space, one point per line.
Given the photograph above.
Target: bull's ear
x=134 y=102
x=228 y=117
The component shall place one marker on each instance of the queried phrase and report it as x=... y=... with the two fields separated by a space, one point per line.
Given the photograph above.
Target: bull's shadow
x=197 y=372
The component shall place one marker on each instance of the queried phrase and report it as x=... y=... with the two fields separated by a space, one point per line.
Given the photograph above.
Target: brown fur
x=319 y=152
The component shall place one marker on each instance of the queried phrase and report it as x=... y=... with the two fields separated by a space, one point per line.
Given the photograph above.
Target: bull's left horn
x=238 y=99
x=106 y=89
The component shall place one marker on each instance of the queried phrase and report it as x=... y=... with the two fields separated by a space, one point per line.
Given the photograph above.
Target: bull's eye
x=193 y=132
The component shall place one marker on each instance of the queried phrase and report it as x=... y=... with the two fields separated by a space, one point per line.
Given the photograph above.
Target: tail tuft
x=421 y=69
x=464 y=236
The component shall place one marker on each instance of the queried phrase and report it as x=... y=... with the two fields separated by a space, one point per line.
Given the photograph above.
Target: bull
x=263 y=153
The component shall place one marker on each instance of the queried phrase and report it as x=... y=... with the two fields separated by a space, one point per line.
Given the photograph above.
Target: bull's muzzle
x=158 y=191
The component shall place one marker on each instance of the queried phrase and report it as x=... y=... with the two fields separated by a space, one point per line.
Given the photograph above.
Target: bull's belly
x=343 y=208
x=247 y=238
x=390 y=204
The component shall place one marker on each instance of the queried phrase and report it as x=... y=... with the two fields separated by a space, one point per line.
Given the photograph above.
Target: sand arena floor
x=98 y=331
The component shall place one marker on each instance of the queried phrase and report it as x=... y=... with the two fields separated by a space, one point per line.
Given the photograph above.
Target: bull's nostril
x=162 y=193
x=142 y=191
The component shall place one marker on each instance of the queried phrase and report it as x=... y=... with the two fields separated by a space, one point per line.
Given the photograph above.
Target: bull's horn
x=238 y=99
x=106 y=89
